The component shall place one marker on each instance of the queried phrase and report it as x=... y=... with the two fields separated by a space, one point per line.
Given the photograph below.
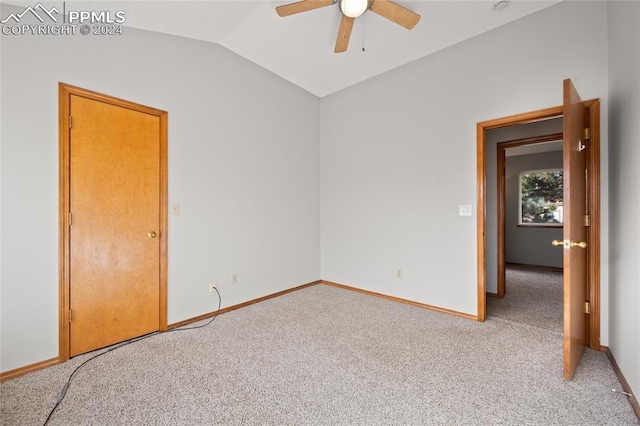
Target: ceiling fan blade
x=396 y=13
x=301 y=6
x=344 y=34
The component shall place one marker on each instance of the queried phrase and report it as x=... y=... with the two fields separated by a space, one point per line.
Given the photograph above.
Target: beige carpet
x=533 y=297
x=328 y=356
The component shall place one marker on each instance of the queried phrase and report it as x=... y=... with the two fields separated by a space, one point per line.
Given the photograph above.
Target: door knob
x=152 y=234
x=569 y=244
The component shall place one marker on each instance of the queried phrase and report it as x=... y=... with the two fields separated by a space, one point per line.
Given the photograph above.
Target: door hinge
x=69 y=121
x=69 y=315
x=586 y=134
x=587 y=220
x=69 y=219
x=587 y=307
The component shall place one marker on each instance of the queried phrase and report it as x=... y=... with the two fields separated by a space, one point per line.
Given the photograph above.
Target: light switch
x=175 y=209
x=464 y=210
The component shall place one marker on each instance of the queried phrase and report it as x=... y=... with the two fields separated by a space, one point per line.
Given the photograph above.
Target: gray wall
x=243 y=164
x=624 y=187
x=529 y=245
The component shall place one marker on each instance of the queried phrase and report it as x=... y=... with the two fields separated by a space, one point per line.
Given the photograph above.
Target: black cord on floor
x=205 y=324
x=65 y=388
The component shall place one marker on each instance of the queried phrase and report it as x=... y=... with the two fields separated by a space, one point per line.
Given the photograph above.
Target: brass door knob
x=152 y=234
x=569 y=244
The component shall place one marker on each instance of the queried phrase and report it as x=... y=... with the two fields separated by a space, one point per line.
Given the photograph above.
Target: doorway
x=521 y=243
x=528 y=163
x=590 y=119
x=113 y=225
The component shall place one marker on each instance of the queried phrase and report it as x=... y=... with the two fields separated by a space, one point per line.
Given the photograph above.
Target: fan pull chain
x=363 y=18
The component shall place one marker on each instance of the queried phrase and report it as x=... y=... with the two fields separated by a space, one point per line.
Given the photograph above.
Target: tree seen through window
x=541 y=197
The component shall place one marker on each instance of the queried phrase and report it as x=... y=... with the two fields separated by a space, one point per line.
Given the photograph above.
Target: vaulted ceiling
x=299 y=48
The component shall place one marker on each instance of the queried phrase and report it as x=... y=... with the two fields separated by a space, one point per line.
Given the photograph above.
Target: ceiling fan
x=351 y=9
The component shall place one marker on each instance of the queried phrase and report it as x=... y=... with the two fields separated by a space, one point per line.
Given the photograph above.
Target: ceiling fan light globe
x=353 y=8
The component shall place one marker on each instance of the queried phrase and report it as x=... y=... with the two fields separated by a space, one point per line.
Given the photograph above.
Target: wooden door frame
x=501 y=148
x=593 y=203
x=65 y=91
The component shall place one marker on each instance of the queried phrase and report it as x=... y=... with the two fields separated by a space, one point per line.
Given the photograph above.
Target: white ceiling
x=299 y=48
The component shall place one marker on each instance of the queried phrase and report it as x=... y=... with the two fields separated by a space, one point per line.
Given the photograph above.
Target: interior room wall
x=624 y=134
x=529 y=245
x=399 y=152
x=243 y=165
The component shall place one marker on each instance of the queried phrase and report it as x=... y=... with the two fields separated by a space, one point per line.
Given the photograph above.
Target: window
x=540 y=198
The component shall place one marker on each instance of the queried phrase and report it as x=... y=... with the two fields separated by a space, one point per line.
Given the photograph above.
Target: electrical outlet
x=234 y=279
x=399 y=274
x=212 y=287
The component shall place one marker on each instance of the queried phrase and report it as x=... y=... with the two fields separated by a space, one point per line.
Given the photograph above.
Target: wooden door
x=115 y=230
x=575 y=233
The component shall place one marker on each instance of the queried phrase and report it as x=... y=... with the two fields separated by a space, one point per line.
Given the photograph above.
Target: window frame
x=538 y=225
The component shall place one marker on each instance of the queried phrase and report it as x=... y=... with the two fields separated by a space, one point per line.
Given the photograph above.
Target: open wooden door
x=581 y=239
x=575 y=232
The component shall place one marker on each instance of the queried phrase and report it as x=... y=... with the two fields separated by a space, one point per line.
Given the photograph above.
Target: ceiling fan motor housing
x=354 y=8
x=351 y=9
